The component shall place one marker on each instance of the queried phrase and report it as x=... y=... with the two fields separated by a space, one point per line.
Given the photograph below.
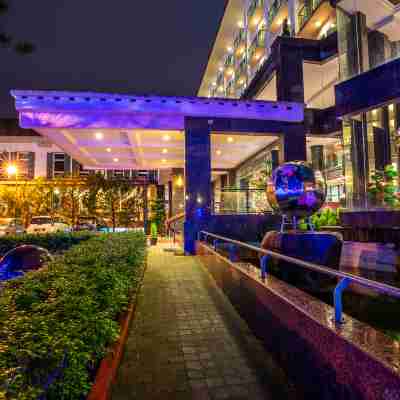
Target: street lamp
x=12 y=170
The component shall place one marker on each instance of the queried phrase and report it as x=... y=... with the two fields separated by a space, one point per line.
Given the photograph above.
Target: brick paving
x=188 y=342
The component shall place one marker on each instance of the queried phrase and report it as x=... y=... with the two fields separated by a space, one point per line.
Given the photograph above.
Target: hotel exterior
x=286 y=80
x=340 y=59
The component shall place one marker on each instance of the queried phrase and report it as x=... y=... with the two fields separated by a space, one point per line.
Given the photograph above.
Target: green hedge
x=53 y=242
x=56 y=324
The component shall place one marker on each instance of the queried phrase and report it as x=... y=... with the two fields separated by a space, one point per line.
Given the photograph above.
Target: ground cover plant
x=56 y=324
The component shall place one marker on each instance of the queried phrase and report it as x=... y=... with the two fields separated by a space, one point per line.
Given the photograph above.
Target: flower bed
x=56 y=324
x=54 y=242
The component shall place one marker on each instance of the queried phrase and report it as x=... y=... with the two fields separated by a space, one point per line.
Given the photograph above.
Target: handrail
x=345 y=278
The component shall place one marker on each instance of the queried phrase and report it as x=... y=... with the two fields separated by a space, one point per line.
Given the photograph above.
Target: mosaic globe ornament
x=296 y=190
x=21 y=259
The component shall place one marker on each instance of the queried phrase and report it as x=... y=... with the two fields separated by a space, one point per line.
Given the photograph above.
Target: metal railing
x=240 y=201
x=345 y=279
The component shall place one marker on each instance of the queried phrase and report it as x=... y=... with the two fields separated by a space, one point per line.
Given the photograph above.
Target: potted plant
x=153 y=234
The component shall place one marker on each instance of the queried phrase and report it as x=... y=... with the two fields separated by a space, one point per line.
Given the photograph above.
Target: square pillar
x=294 y=143
x=197 y=180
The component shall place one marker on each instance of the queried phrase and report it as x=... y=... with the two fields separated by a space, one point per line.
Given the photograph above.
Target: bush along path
x=57 y=324
x=54 y=242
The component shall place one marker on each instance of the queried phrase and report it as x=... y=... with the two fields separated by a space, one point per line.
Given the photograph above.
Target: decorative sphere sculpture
x=22 y=259
x=295 y=190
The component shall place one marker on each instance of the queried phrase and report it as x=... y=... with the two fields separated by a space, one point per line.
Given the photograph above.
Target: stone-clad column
x=197 y=179
x=317 y=157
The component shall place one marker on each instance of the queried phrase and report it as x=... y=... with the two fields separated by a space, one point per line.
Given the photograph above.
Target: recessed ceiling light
x=166 y=138
x=116 y=159
x=219 y=152
x=230 y=139
x=98 y=135
x=108 y=150
x=165 y=151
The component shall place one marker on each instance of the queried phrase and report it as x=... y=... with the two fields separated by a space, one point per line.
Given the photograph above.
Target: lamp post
x=12 y=170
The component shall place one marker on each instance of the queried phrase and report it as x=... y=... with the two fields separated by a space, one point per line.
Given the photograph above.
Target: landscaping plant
x=56 y=324
x=383 y=189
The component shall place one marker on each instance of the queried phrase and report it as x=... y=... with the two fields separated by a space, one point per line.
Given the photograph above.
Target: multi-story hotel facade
x=317 y=52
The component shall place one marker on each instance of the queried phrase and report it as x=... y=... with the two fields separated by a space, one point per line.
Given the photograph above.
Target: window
x=59 y=164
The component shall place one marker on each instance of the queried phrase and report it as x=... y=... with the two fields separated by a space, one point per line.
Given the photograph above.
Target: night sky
x=120 y=46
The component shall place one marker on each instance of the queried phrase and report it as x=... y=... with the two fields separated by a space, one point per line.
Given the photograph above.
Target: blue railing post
x=264 y=266
x=337 y=299
x=233 y=256
x=215 y=244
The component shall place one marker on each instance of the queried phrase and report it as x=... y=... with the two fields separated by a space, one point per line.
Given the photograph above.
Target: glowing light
x=220 y=69
x=199 y=200
x=214 y=84
x=56 y=191
x=166 y=138
x=374 y=113
x=318 y=24
x=165 y=151
x=99 y=135
x=163 y=160
x=116 y=159
x=108 y=150
x=179 y=181
x=218 y=152
x=240 y=24
x=391 y=107
x=12 y=170
x=279 y=22
x=229 y=49
x=230 y=139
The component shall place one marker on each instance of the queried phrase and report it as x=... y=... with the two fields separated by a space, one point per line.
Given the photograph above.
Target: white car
x=47 y=224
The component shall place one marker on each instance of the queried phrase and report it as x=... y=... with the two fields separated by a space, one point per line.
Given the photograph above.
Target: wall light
x=318 y=24
x=163 y=160
x=165 y=151
x=108 y=150
x=166 y=138
x=116 y=159
x=98 y=135
x=230 y=139
x=179 y=181
x=12 y=170
x=218 y=152
x=229 y=49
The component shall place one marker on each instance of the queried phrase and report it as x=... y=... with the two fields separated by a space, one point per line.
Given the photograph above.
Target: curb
x=107 y=372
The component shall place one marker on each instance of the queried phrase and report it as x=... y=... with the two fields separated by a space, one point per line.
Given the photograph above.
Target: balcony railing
x=257 y=47
x=274 y=10
x=241 y=201
x=307 y=11
x=254 y=5
x=240 y=40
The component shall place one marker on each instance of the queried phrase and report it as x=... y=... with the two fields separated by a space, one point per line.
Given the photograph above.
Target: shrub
x=57 y=323
x=54 y=242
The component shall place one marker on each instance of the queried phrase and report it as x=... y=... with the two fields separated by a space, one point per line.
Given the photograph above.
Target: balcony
x=239 y=44
x=229 y=66
x=278 y=12
x=257 y=48
x=255 y=13
x=314 y=17
x=241 y=74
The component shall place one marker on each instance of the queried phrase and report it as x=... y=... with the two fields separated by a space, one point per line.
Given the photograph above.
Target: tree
x=157 y=208
x=7 y=40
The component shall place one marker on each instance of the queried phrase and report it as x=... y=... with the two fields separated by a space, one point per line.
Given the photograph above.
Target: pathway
x=188 y=342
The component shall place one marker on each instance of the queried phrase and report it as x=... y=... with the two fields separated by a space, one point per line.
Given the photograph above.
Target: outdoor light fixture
x=220 y=69
x=230 y=49
x=279 y=22
x=240 y=24
x=163 y=160
x=199 y=200
x=218 y=152
x=165 y=151
x=318 y=24
x=230 y=139
x=179 y=181
x=12 y=170
x=108 y=150
x=56 y=191
x=116 y=159
x=166 y=138
x=99 y=135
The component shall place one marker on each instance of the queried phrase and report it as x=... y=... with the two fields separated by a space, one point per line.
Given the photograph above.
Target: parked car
x=90 y=224
x=11 y=226
x=47 y=224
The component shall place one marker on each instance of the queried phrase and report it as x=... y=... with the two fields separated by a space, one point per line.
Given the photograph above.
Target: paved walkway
x=187 y=341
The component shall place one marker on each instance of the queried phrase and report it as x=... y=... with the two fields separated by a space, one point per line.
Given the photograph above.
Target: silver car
x=11 y=226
